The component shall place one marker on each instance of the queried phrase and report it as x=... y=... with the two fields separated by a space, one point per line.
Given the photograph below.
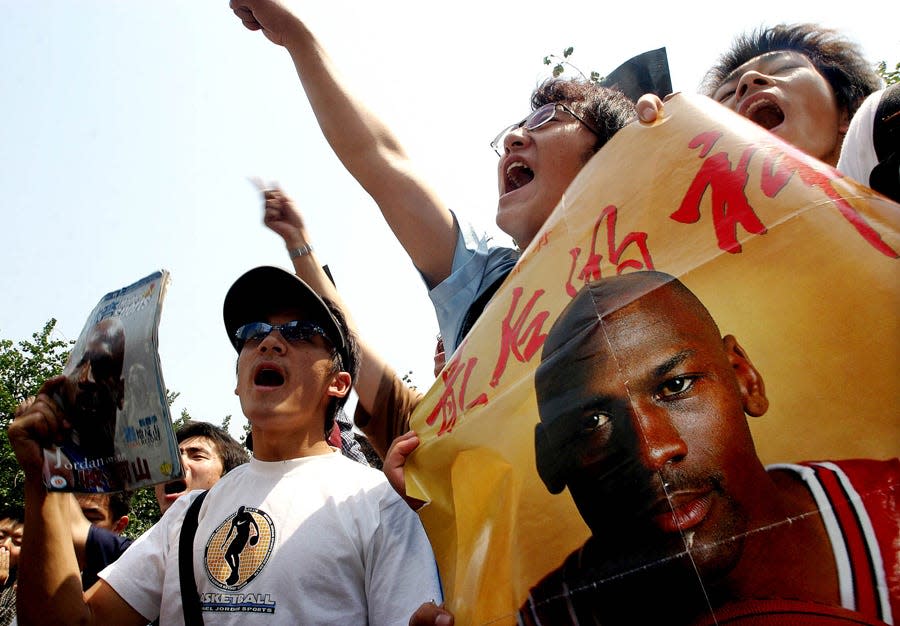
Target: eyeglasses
x=539 y=117
x=293 y=332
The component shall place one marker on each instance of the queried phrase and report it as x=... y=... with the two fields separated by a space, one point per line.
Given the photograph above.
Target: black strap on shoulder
x=190 y=597
x=886 y=128
x=885 y=177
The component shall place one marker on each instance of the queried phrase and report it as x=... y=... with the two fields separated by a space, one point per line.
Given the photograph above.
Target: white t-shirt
x=858 y=157
x=315 y=540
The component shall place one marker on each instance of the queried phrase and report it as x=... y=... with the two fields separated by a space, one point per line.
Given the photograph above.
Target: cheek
x=208 y=472
x=241 y=381
x=569 y=159
x=816 y=103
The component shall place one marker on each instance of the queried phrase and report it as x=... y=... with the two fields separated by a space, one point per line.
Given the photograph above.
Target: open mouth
x=268 y=377
x=517 y=176
x=175 y=486
x=765 y=113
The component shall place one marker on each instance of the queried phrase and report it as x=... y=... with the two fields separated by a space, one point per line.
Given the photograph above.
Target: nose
x=752 y=81
x=659 y=440
x=516 y=138
x=273 y=341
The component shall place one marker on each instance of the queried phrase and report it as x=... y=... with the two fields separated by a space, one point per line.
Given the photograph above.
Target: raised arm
x=49 y=589
x=282 y=217
x=80 y=527
x=366 y=147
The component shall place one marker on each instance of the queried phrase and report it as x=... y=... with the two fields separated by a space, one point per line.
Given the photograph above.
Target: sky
x=130 y=130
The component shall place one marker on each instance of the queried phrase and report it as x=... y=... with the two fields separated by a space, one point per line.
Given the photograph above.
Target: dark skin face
x=651 y=407
x=95 y=387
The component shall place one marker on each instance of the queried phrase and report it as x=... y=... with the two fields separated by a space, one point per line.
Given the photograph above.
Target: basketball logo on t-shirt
x=239 y=548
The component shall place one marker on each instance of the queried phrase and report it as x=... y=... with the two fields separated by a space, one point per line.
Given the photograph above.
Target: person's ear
x=843 y=122
x=121 y=524
x=340 y=385
x=750 y=382
x=551 y=463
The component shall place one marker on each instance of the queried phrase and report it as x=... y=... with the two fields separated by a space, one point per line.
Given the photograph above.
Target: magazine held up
x=114 y=398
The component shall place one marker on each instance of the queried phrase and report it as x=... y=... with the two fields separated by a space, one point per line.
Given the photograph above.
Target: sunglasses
x=538 y=118
x=293 y=332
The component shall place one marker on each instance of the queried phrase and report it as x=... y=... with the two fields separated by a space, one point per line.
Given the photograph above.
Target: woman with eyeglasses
x=539 y=157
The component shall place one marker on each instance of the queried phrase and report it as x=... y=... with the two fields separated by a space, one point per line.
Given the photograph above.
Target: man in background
x=208 y=452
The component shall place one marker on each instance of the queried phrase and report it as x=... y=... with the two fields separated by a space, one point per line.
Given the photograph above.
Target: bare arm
x=282 y=217
x=49 y=582
x=366 y=147
x=80 y=529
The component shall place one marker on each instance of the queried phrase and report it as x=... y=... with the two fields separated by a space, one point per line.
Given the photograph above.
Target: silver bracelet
x=301 y=251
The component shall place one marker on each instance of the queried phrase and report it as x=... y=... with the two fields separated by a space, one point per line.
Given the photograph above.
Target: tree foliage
x=23 y=368
x=561 y=63
x=890 y=77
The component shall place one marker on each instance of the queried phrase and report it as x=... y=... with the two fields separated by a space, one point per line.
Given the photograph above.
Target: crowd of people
x=303 y=530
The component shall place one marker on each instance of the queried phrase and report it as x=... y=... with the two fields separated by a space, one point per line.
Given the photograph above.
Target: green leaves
x=561 y=63
x=23 y=368
x=890 y=77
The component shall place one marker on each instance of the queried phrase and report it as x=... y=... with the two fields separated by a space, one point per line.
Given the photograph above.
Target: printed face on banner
x=644 y=408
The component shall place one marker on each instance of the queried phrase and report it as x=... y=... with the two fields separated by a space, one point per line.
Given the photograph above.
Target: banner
x=631 y=487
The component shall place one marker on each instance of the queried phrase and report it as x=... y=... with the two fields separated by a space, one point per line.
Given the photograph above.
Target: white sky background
x=129 y=130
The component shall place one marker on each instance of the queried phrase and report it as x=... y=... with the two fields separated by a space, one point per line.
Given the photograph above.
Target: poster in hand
x=681 y=407
x=113 y=397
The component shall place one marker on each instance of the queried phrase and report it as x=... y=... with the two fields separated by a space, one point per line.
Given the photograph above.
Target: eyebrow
x=736 y=72
x=671 y=363
x=190 y=449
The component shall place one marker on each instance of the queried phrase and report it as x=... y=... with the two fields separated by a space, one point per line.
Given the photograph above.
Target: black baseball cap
x=265 y=290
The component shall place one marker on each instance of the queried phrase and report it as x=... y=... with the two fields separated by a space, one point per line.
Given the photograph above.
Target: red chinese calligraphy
x=520 y=338
x=778 y=170
x=591 y=269
x=451 y=401
x=730 y=207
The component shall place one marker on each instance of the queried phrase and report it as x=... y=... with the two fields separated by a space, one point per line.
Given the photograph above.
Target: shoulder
x=550 y=599
x=864 y=471
x=106 y=540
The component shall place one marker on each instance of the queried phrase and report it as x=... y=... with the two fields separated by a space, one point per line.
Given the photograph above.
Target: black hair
x=230 y=451
x=349 y=364
x=13 y=512
x=120 y=504
x=605 y=109
x=837 y=58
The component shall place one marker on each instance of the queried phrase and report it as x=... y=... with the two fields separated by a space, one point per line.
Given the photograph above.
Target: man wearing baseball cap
x=299 y=535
